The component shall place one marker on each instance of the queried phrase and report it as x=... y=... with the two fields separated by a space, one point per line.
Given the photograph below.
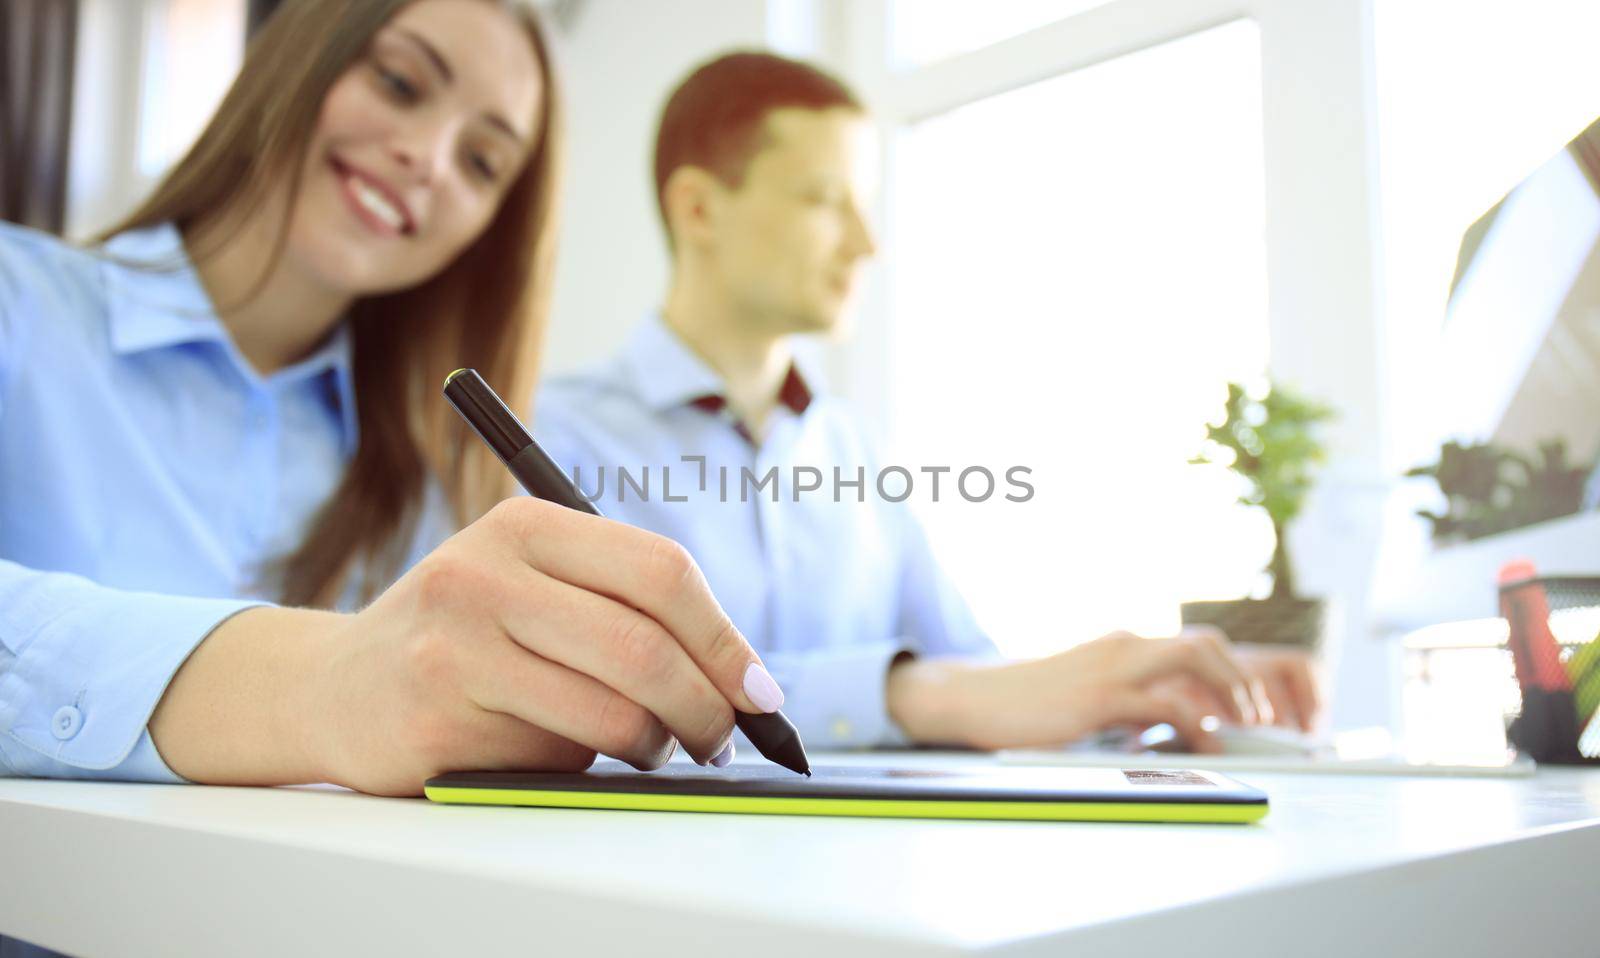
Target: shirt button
x=66 y=722
x=841 y=729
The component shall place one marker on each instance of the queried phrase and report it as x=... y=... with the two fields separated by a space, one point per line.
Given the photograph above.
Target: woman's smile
x=372 y=201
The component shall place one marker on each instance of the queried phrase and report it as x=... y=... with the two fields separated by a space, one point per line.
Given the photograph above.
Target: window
x=192 y=50
x=1101 y=231
x=1246 y=130
x=1472 y=100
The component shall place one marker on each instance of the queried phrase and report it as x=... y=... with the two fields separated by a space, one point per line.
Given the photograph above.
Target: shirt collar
x=156 y=300
x=668 y=374
x=155 y=295
x=333 y=360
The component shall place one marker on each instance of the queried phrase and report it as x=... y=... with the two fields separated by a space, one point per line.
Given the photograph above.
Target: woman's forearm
x=244 y=707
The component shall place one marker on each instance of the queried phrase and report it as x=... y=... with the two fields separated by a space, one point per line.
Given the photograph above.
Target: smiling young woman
x=274 y=186
x=237 y=399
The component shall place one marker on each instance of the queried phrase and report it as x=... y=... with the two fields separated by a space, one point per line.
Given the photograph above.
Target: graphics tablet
x=1048 y=794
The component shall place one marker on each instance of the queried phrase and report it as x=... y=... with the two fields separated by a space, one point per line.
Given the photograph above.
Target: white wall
x=618 y=60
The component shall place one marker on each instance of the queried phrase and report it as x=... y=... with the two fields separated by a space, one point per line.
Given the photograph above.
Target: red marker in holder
x=1534 y=650
x=1547 y=729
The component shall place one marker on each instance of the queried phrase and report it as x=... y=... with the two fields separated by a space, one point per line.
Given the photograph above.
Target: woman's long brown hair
x=487 y=309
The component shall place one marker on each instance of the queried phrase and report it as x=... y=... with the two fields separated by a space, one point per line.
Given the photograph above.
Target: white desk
x=1342 y=866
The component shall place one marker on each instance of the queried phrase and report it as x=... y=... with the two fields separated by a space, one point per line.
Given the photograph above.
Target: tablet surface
x=1052 y=794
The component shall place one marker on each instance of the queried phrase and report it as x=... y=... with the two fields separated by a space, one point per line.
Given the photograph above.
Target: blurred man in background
x=764 y=170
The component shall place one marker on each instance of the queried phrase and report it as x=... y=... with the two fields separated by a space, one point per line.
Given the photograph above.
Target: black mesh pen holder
x=1553 y=633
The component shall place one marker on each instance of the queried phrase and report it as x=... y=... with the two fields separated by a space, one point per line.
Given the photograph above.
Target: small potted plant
x=1271 y=440
x=1488 y=490
x=1472 y=479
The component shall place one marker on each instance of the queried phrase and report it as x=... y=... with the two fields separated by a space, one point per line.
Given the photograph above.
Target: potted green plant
x=1472 y=479
x=1272 y=441
x=1488 y=489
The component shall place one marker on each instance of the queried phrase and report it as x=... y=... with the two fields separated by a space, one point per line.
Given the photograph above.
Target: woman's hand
x=1117 y=680
x=533 y=639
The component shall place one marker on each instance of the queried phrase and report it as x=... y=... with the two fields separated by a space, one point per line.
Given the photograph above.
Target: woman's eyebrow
x=443 y=66
x=439 y=61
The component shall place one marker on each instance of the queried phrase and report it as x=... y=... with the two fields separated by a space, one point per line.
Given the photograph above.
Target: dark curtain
x=37 y=52
x=259 y=11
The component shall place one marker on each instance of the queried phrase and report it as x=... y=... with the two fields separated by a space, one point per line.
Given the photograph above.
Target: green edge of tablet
x=1231 y=813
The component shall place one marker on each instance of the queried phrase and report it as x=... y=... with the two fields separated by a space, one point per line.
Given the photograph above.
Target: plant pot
x=1298 y=623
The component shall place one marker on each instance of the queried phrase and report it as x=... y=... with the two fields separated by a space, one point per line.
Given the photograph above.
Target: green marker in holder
x=1583 y=667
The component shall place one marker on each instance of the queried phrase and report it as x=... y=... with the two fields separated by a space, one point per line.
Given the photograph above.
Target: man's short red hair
x=716 y=118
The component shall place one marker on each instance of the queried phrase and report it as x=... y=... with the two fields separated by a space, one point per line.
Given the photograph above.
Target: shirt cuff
x=837 y=698
x=143 y=764
x=78 y=694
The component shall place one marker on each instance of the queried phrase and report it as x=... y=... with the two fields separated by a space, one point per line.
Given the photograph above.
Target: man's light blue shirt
x=829 y=585
x=147 y=473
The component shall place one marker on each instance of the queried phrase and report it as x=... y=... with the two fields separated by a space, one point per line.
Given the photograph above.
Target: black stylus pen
x=773 y=735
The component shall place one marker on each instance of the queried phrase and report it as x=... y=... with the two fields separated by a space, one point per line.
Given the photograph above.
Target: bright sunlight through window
x=1078 y=268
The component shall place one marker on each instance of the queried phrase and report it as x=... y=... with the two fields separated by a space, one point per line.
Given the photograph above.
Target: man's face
x=787 y=244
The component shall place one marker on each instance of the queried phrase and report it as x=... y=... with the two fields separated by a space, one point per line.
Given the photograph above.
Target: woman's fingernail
x=725 y=756
x=762 y=690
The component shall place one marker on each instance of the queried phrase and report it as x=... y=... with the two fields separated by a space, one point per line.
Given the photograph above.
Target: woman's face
x=415 y=147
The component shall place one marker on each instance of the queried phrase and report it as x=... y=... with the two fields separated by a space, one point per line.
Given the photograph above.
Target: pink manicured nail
x=725 y=756
x=762 y=690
